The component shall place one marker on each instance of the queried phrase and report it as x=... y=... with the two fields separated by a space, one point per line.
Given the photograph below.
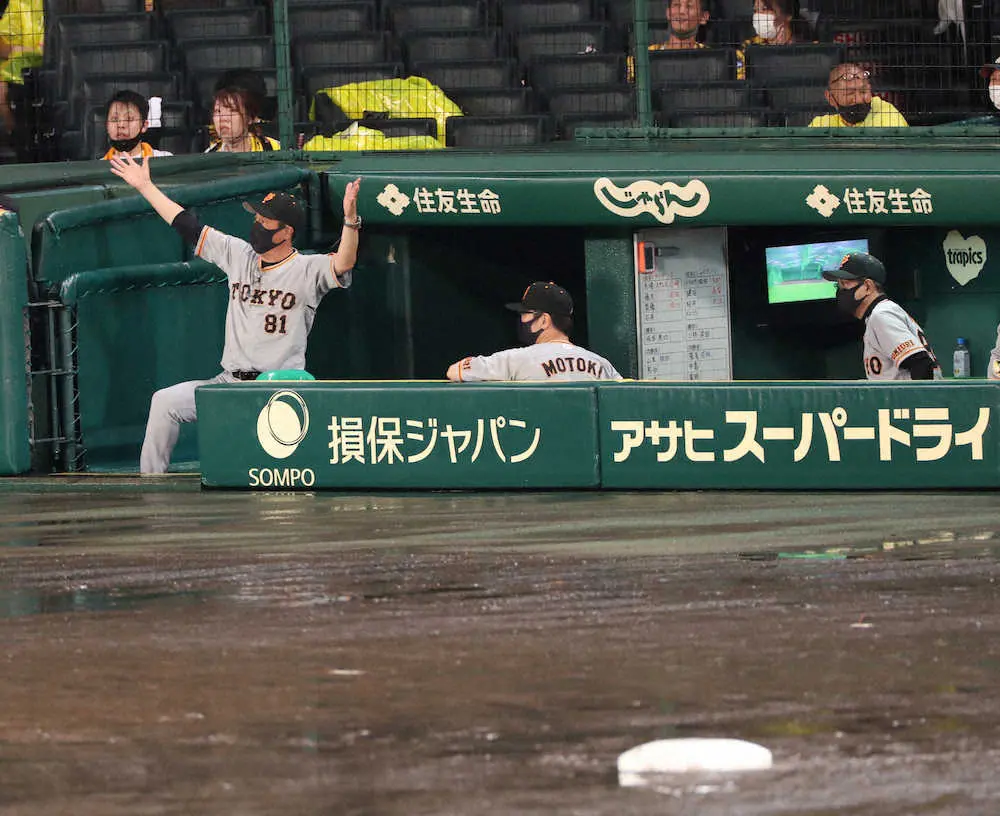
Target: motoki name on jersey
x=562 y=365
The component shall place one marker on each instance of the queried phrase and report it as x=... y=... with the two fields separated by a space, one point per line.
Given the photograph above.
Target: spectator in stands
x=775 y=22
x=991 y=73
x=849 y=93
x=686 y=17
x=127 y=119
x=236 y=122
x=22 y=39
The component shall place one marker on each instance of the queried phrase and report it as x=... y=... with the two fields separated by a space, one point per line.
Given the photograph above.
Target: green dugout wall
x=15 y=456
x=831 y=435
x=450 y=235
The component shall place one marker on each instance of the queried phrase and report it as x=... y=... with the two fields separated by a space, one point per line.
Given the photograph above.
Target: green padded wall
x=392 y=434
x=15 y=453
x=804 y=435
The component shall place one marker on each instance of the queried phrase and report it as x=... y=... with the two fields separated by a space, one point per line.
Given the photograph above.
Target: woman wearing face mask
x=775 y=22
x=236 y=122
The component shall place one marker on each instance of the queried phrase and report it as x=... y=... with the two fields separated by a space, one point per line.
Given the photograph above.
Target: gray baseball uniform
x=993 y=368
x=891 y=336
x=558 y=362
x=271 y=311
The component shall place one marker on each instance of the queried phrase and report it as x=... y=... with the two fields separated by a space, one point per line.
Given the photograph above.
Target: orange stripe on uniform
x=201 y=241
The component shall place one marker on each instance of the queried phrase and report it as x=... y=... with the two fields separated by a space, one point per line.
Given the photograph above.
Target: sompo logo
x=282 y=424
x=964 y=257
x=663 y=201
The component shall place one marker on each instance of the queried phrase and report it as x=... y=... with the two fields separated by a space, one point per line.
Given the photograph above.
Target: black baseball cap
x=279 y=207
x=544 y=296
x=858 y=266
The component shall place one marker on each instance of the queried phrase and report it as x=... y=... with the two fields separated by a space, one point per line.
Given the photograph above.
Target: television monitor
x=795 y=272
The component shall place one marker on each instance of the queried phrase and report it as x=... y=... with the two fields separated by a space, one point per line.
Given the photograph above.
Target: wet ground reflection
x=168 y=650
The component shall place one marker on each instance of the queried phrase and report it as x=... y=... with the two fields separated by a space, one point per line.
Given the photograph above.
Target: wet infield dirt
x=168 y=650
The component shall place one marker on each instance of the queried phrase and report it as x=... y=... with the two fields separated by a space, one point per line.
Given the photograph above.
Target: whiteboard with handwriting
x=682 y=300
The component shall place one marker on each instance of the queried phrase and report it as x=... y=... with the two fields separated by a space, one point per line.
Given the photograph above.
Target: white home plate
x=692 y=754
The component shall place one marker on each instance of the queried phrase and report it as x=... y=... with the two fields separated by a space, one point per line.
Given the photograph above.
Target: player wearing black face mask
x=896 y=348
x=273 y=295
x=849 y=93
x=545 y=319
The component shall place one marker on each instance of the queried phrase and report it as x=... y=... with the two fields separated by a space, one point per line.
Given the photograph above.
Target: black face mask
x=846 y=300
x=261 y=238
x=126 y=145
x=853 y=114
x=525 y=336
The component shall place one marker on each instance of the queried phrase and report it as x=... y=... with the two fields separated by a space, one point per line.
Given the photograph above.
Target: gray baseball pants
x=168 y=408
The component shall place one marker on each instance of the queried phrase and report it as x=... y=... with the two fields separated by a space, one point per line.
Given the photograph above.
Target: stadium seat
x=569 y=125
x=498 y=131
x=231 y=52
x=91 y=29
x=316 y=78
x=98 y=30
x=706 y=65
x=495 y=101
x=440 y=15
x=778 y=64
x=795 y=104
x=352 y=49
x=460 y=45
x=122 y=60
x=319 y=18
x=717 y=119
x=519 y=14
x=58 y=7
x=576 y=70
x=391 y=126
x=618 y=102
x=498 y=73
x=561 y=40
x=215 y=23
x=174 y=5
x=722 y=96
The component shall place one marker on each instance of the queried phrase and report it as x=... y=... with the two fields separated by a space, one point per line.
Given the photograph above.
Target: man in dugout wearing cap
x=895 y=345
x=544 y=323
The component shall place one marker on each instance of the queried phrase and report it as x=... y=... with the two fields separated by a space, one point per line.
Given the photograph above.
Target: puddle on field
x=19 y=603
x=941 y=545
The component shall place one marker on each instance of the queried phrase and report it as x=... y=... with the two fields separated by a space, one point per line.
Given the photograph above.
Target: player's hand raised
x=133 y=173
x=351 y=200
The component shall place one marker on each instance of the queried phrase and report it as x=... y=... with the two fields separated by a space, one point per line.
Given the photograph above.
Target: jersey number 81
x=275 y=324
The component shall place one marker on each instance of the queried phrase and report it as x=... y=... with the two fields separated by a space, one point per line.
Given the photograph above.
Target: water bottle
x=960 y=359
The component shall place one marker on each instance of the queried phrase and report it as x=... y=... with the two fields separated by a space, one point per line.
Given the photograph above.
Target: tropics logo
x=282 y=424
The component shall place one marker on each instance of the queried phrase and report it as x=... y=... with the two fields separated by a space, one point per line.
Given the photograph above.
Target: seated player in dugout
x=273 y=295
x=127 y=120
x=896 y=348
x=236 y=121
x=849 y=93
x=544 y=323
x=685 y=17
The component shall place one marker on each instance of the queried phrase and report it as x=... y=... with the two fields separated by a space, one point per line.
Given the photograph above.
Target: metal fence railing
x=384 y=74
